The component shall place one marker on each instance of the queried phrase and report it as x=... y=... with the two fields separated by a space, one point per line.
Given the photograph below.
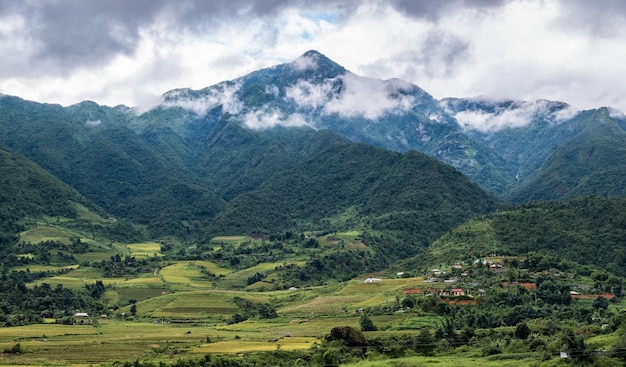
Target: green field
x=183 y=309
x=46 y=232
x=146 y=249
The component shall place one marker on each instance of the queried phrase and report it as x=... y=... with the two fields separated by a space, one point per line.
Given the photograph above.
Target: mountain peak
x=312 y=53
x=313 y=60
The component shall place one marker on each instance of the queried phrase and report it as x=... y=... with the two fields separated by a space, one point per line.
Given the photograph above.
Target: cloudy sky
x=131 y=51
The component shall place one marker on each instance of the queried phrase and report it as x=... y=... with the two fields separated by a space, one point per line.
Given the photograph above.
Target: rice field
x=185 y=275
x=44 y=232
x=145 y=249
x=212 y=267
x=452 y=361
x=238 y=346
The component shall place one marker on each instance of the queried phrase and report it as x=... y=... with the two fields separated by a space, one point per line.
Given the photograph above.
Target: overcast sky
x=131 y=51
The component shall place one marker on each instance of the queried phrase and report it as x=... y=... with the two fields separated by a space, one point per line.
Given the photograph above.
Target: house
x=438 y=273
x=82 y=318
x=372 y=280
x=457 y=292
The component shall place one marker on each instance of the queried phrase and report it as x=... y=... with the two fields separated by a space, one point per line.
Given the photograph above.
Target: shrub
x=16 y=349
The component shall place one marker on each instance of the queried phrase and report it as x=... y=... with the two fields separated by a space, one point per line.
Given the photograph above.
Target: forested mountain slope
x=356 y=183
x=202 y=154
x=586 y=230
x=90 y=148
x=26 y=190
x=499 y=144
x=592 y=162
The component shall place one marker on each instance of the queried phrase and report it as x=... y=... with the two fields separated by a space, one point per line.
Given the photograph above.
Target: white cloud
x=266 y=118
x=369 y=98
x=273 y=90
x=358 y=96
x=92 y=123
x=223 y=94
x=565 y=50
x=309 y=95
x=305 y=62
x=615 y=113
x=516 y=114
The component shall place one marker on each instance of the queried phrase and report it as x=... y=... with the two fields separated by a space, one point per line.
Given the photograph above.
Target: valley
x=154 y=306
x=287 y=218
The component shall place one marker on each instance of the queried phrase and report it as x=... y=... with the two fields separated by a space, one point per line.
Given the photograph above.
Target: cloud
x=306 y=62
x=434 y=10
x=266 y=118
x=350 y=95
x=368 y=98
x=601 y=18
x=509 y=114
x=615 y=113
x=119 y=51
x=223 y=94
x=311 y=95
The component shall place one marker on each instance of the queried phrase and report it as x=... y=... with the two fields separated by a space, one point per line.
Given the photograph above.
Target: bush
x=491 y=349
x=16 y=349
x=367 y=324
x=522 y=331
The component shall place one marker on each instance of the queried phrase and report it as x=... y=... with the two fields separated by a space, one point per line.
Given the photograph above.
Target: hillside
x=587 y=230
x=407 y=193
x=590 y=163
x=26 y=190
x=225 y=140
x=90 y=148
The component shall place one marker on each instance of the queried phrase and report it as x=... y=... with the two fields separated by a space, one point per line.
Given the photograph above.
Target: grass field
x=237 y=346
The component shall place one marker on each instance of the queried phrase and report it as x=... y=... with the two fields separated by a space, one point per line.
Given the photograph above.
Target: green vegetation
x=591 y=163
x=587 y=230
x=183 y=240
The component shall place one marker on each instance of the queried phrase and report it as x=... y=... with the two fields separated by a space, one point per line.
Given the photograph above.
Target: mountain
x=214 y=172
x=26 y=190
x=92 y=149
x=352 y=184
x=29 y=192
x=591 y=162
x=194 y=161
x=499 y=144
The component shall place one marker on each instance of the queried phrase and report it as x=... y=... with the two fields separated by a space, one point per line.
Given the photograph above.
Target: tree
x=133 y=310
x=367 y=324
x=522 y=331
x=575 y=347
x=600 y=303
x=425 y=342
x=409 y=301
x=351 y=336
